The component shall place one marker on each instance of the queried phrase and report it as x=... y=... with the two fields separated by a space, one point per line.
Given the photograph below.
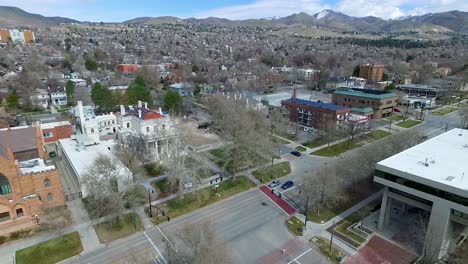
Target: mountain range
x=452 y=21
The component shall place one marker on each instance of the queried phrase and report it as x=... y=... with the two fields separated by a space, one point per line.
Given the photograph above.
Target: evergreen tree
x=172 y=101
x=70 y=90
x=137 y=91
x=12 y=101
x=102 y=97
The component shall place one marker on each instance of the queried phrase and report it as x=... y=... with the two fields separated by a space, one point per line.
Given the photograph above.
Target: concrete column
x=388 y=214
x=437 y=235
x=383 y=208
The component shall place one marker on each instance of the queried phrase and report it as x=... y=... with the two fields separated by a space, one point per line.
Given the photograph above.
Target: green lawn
x=344 y=146
x=295 y=226
x=316 y=143
x=267 y=174
x=325 y=215
x=203 y=197
x=323 y=246
x=444 y=111
x=51 y=251
x=221 y=160
x=164 y=186
x=397 y=117
x=118 y=227
x=409 y=123
x=300 y=148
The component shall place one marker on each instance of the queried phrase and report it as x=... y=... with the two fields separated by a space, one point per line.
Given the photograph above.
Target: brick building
x=128 y=68
x=314 y=113
x=371 y=72
x=53 y=132
x=27 y=181
x=360 y=100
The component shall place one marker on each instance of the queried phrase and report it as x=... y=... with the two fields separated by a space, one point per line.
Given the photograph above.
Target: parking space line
x=295 y=260
x=155 y=247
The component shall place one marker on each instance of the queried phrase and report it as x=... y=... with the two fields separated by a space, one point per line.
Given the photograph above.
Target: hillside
x=14 y=16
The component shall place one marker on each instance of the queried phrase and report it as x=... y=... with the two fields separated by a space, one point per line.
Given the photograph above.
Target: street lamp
x=149 y=201
x=331 y=240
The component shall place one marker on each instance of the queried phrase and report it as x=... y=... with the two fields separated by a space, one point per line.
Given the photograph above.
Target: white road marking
x=154 y=246
x=167 y=239
x=435 y=130
x=295 y=260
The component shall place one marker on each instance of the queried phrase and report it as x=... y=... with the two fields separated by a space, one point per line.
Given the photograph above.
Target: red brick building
x=371 y=72
x=128 y=68
x=53 y=132
x=314 y=113
x=28 y=182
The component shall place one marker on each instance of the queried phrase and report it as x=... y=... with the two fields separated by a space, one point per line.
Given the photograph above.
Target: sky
x=120 y=10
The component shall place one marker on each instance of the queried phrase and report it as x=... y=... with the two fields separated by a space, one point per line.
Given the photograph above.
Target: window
x=113 y=121
x=48 y=134
x=19 y=212
x=163 y=127
x=147 y=129
x=4 y=216
x=50 y=197
x=128 y=125
x=46 y=183
x=5 y=187
x=92 y=130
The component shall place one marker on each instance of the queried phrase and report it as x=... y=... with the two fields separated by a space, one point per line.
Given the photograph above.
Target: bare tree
x=463 y=113
x=198 y=244
x=55 y=219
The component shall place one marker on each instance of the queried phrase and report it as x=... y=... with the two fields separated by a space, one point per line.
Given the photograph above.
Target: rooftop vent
x=449 y=178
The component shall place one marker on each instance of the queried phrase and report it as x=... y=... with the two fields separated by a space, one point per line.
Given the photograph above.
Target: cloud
x=266 y=8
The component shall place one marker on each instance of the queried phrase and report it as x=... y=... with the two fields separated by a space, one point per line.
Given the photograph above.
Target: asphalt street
x=249 y=223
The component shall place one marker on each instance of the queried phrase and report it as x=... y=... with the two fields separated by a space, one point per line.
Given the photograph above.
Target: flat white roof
x=441 y=162
x=54 y=124
x=82 y=158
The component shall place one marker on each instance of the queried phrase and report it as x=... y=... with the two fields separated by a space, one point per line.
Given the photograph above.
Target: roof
x=366 y=93
x=54 y=124
x=318 y=104
x=362 y=109
x=19 y=138
x=146 y=114
x=445 y=157
x=56 y=89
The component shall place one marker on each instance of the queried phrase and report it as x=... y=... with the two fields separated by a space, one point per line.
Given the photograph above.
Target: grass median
x=51 y=251
x=118 y=227
x=269 y=173
x=444 y=111
x=409 y=123
x=323 y=245
x=201 y=198
x=346 y=145
x=295 y=225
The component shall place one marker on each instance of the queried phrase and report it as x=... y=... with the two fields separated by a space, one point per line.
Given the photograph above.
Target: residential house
x=58 y=95
x=40 y=98
x=54 y=131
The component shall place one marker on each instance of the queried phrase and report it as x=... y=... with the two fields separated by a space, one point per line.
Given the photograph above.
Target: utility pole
x=331 y=240
x=306 y=211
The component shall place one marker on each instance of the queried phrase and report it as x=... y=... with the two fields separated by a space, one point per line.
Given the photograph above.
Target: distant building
x=381 y=102
x=128 y=68
x=314 y=113
x=28 y=181
x=371 y=72
x=183 y=89
x=17 y=36
x=419 y=90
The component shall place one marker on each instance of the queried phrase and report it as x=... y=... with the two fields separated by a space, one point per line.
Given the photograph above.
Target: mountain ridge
x=455 y=21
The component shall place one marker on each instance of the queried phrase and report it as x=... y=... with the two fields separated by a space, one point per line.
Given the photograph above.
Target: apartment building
x=371 y=72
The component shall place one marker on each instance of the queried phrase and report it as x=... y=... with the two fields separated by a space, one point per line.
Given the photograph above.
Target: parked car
x=296 y=153
x=287 y=185
x=274 y=183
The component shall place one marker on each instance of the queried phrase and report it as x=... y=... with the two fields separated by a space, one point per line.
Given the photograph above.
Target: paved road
x=251 y=225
